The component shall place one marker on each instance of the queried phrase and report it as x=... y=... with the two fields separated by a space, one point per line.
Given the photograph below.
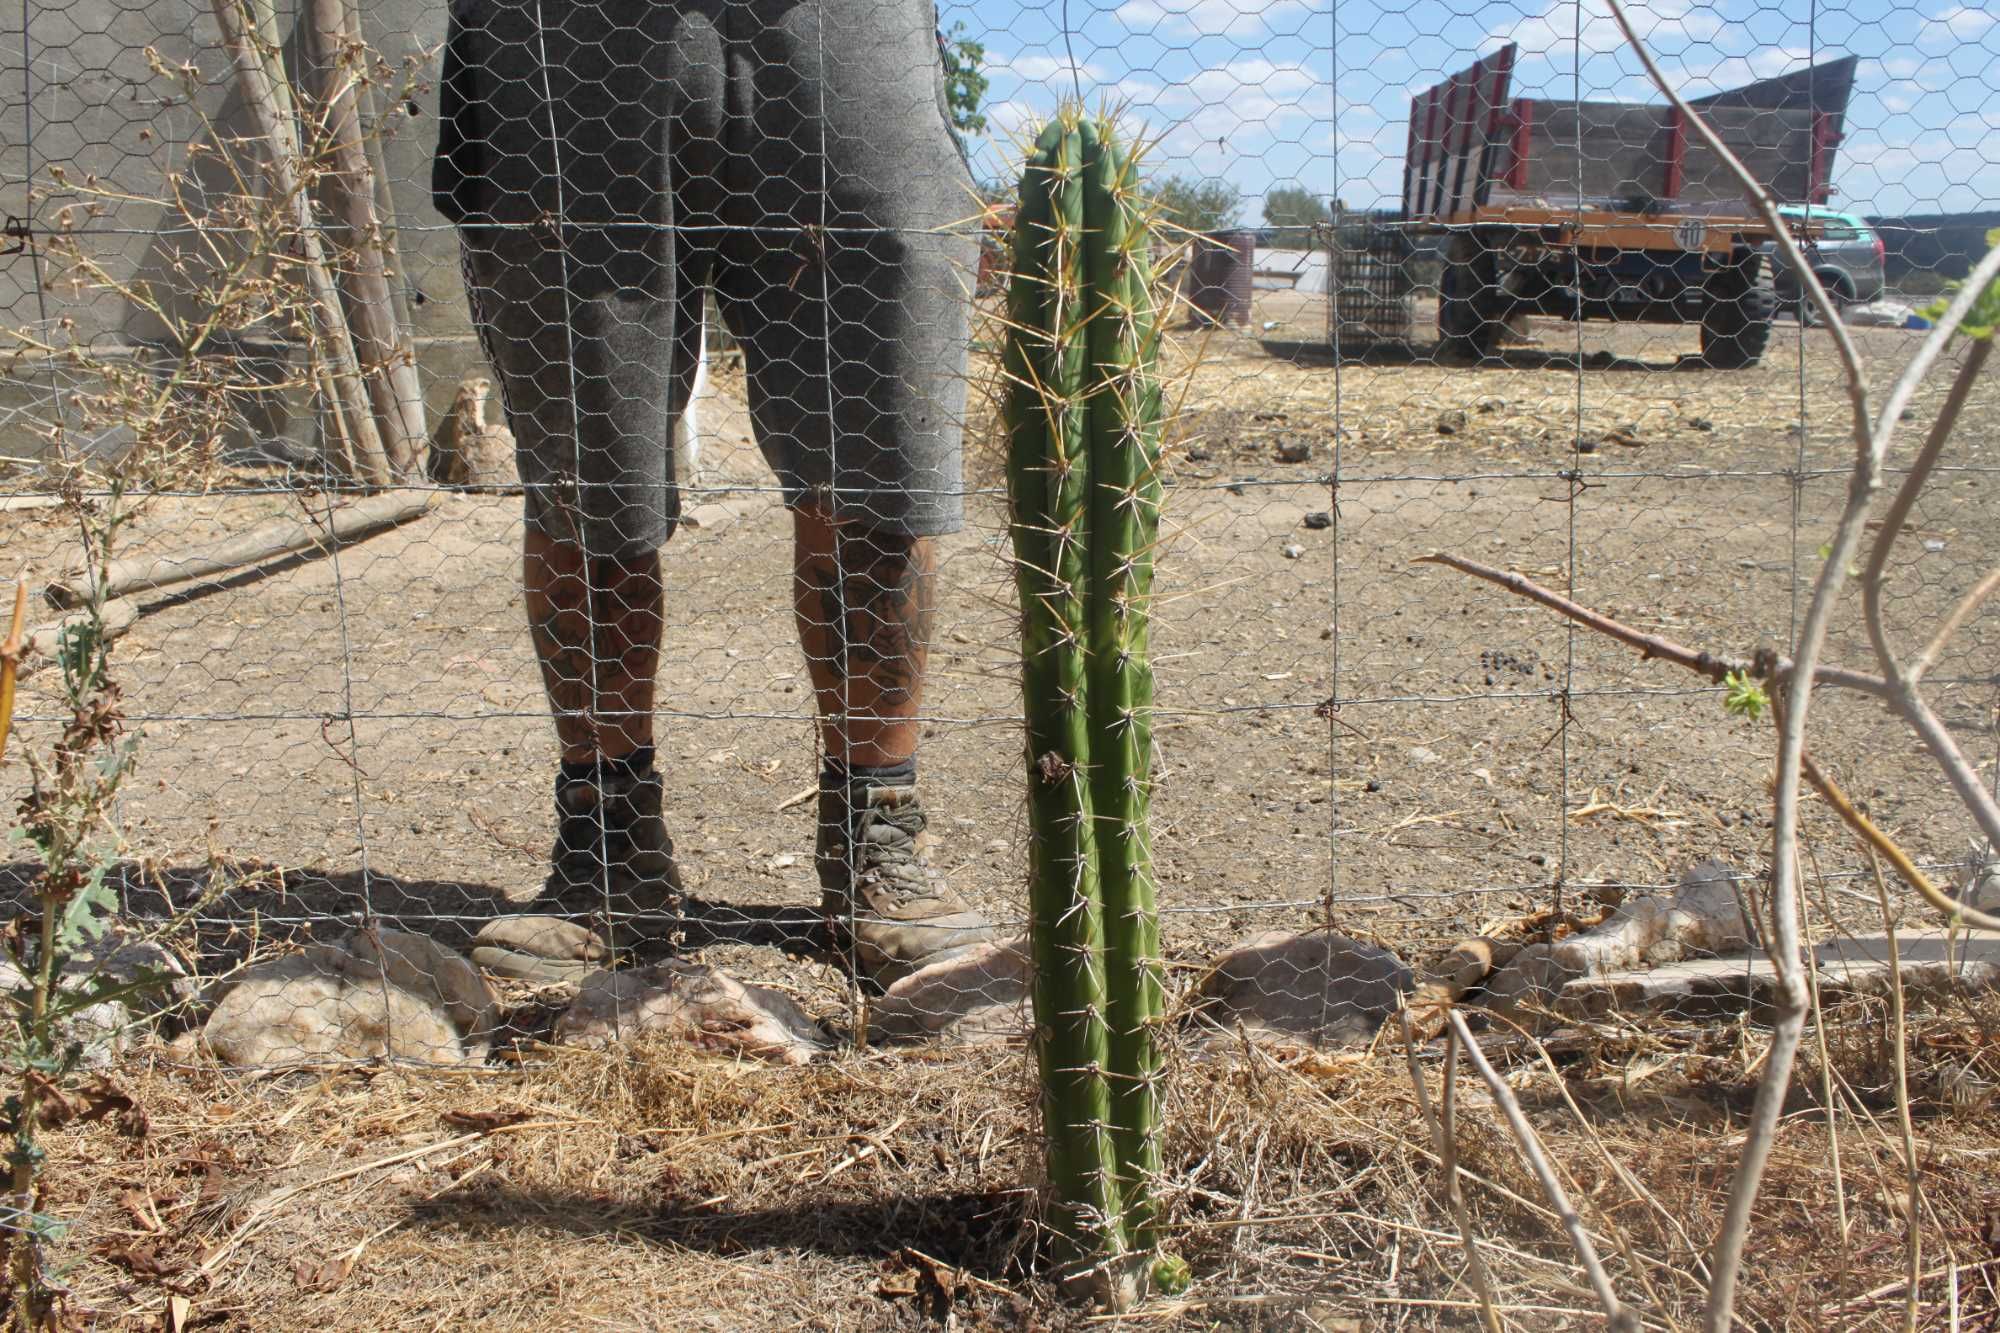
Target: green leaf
x=1984 y=318
x=84 y=916
x=1745 y=697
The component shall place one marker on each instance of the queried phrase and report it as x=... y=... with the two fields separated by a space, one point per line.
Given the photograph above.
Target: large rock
x=695 y=1003
x=378 y=993
x=150 y=980
x=976 y=998
x=1701 y=916
x=1937 y=965
x=1321 y=987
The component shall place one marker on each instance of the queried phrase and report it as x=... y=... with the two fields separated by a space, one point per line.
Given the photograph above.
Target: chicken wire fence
x=733 y=273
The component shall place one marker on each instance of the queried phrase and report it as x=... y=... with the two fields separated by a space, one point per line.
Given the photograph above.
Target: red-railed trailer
x=1612 y=210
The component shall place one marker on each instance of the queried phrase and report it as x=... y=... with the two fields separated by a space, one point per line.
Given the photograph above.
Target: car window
x=1839 y=231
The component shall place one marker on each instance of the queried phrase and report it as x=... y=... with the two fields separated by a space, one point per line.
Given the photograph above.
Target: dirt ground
x=372 y=724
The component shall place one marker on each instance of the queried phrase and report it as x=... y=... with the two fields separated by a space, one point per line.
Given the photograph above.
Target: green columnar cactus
x=1082 y=413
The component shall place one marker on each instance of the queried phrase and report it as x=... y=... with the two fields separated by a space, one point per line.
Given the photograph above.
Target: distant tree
x=1198 y=205
x=965 y=80
x=1290 y=206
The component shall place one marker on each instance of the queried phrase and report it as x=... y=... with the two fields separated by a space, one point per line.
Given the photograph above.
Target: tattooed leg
x=864 y=605
x=596 y=630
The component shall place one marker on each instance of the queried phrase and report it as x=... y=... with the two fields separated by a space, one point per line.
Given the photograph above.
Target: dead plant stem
x=1619 y=1318
x=1443 y=1132
x=1913 y=1228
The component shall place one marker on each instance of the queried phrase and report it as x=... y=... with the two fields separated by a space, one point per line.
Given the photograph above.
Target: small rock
x=337 y=1002
x=711 y=517
x=540 y=950
x=1318 y=520
x=1320 y=986
x=1451 y=423
x=1586 y=446
x=104 y=1030
x=544 y=937
x=1490 y=405
x=1292 y=550
x=1293 y=450
x=1981 y=890
x=536 y=971
x=1198 y=455
x=1702 y=915
x=1423 y=754
x=693 y=1002
x=1700 y=423
x=976 y=998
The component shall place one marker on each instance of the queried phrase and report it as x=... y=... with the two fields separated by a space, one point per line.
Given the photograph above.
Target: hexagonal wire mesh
x=1438 y=281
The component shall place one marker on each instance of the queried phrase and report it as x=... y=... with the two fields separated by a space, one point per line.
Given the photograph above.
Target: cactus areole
x=1082 y=415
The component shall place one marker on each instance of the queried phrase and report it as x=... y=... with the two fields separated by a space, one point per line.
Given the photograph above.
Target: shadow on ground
x=979 y=1232
x=244 y=907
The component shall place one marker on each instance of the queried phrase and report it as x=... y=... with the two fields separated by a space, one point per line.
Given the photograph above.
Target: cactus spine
x=1082 y=412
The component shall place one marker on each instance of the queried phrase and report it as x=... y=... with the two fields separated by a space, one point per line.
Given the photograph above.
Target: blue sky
x=1316 y=93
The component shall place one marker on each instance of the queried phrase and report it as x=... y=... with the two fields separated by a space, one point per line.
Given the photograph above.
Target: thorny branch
x=1872 y=436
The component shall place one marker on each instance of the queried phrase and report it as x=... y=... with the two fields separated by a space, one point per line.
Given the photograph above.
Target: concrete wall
x=82 y=104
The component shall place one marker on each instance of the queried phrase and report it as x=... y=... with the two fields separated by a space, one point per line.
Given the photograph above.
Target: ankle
x=634 y=765
x=836 y=775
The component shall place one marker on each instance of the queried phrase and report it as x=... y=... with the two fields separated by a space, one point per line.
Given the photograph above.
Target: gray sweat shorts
x=608 y=161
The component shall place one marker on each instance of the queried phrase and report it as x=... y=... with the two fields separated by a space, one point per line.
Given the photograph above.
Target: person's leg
x=863 y=601
x=596 y=629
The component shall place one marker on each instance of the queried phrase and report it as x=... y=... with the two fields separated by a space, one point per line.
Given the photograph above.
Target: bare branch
x=1971 y=602
x=1898 y=513
x=1699 y=661
x=1913 y=1230
x=1880 y=842
x=1619 y=1317
x=1871 y=443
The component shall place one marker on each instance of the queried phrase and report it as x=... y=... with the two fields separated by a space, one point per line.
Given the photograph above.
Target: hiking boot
x=612 y=855
x=878 y=890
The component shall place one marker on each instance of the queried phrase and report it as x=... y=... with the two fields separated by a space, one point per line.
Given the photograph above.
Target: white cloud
x=1227 y=104
x=1040 y=67
x=1965 y=22
x=1565 y=30
x=1213 y=18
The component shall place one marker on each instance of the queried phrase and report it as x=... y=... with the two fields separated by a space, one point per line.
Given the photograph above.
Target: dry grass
x=654 y=1188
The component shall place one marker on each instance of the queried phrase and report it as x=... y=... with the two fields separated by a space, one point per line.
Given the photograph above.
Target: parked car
x=1846 y=255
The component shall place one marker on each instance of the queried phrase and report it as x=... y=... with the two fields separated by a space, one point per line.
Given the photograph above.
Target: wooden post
x=385 y=355
x=267 y=99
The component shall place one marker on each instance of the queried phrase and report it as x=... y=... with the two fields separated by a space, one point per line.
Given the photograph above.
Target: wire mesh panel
x=521 y=515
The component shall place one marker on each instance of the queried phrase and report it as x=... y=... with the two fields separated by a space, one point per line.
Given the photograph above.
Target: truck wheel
x=1736 y=318
x=1469 y=322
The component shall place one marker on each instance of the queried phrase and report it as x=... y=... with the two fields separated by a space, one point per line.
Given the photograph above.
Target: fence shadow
x=1319 y=352
x=976 y=1231
x=242 y=907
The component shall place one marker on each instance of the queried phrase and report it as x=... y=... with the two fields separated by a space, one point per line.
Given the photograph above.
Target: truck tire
x=1736 y=317
x=1469 y=321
